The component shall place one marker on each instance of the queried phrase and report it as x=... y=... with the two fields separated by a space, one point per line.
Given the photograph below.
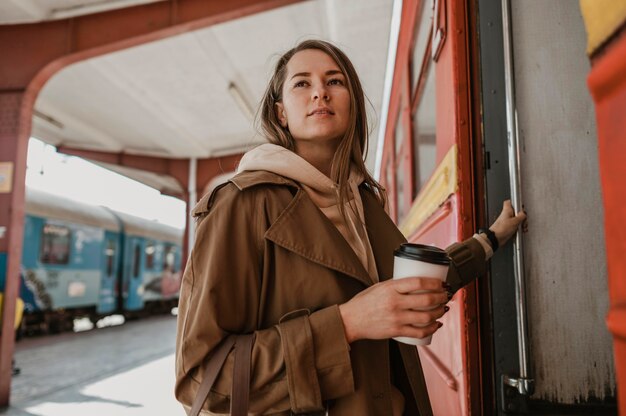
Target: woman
x=298 y=248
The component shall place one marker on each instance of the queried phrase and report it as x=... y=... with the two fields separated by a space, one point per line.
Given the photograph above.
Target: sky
x=83 y=181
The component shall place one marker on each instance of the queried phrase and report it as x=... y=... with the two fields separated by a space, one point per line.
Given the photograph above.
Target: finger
x=507 y=208
x=419 y=332
x=420 y=318
x=423 y=301
x=411 y=284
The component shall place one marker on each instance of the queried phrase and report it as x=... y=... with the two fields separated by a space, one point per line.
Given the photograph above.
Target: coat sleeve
x=293 y=365
x=468 y=263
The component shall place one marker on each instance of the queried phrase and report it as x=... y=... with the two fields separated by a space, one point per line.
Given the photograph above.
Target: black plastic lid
x=423 y=252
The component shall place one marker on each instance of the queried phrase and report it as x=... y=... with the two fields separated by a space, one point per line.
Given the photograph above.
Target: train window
x=55 y=244
x=424 y=130
x=421 y=41
x=150 y=250
x=109 y=252
x=169 y=260
x=136 y=260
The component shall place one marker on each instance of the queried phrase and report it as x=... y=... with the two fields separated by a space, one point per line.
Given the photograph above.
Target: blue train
x=81 y=260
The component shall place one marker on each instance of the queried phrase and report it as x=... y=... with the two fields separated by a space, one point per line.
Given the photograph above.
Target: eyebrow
x=308 y=74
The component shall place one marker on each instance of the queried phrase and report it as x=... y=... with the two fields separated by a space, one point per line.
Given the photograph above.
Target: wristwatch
x=491 y=236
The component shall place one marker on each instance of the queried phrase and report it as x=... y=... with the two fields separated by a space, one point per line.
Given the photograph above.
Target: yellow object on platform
x=602 y=19
x=19 y=310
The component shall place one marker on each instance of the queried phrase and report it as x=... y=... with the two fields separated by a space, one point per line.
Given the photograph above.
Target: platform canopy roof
x=193 y=94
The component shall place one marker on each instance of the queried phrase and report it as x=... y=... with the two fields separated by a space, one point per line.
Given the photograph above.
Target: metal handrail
x=524 y=384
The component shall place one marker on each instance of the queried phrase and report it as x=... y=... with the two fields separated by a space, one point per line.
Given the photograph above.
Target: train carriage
x=83 y=260
x=64 y=259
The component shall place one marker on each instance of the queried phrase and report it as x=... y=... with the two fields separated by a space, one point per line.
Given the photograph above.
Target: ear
x=280 y=114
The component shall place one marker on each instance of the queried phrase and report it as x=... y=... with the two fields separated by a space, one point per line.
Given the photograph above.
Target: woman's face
x=316 y=100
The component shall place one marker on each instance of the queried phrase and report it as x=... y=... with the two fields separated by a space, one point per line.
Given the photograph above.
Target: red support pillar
x=607 y=83
x=14 y=132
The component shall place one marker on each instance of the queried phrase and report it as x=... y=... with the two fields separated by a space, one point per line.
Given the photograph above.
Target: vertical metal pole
x=394 y=35
x=191 y=191
x=524 y=384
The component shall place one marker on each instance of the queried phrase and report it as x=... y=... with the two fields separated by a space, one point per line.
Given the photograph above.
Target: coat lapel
x=303 y=229
x=383 y=234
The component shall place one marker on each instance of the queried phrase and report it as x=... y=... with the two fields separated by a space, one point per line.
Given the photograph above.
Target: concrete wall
x=571 y=351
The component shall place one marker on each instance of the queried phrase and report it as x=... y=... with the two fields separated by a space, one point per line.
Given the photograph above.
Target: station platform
x=122 y=370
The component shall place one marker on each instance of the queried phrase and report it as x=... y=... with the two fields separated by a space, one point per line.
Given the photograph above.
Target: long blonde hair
x=352 y=149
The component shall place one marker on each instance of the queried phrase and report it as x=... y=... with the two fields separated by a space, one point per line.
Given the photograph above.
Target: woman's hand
x=507 y=223
x=389 y=309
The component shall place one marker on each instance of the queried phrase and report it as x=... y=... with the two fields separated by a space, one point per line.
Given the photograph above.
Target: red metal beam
x=29 y=48
x=159 y=165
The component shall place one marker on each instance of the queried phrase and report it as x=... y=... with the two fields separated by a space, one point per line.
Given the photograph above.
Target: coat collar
x=242 y=181
x=304 y=230
x=247 y=179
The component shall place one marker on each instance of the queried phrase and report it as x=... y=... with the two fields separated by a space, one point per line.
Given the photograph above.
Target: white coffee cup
x=418 y=260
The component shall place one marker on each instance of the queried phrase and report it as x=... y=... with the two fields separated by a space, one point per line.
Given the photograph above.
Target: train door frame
x=500 y=322
x=499 y=326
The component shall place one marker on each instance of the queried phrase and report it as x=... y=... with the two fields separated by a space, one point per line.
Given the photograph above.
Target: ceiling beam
x=207 y=168
x=158 y=165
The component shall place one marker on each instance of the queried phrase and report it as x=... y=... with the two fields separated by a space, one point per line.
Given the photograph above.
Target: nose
x=320 y=92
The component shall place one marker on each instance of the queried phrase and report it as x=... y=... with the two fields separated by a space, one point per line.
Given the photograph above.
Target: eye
x=335 y=81
x=300 y=84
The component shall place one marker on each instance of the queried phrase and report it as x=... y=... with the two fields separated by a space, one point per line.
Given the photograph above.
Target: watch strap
x=491 y=236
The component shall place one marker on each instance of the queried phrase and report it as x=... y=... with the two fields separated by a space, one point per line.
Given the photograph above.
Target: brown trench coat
x=266 y=259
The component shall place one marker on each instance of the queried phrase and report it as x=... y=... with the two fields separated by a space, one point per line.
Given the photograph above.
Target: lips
x=321 y=110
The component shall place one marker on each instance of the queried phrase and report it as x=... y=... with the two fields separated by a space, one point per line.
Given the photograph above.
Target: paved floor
x=123 y=370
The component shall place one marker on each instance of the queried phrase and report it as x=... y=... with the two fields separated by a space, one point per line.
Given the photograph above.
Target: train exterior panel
x=61 y=264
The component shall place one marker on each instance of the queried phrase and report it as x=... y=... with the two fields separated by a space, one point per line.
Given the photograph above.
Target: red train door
x=427 y=166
